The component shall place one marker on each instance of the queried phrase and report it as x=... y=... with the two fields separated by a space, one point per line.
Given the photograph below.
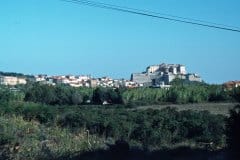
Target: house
x=12 y=81
x=231 y=85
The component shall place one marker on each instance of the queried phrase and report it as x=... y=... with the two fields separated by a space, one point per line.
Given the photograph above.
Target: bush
x=149 y=127
x=5 y=138
x=41 y=113
x=31 y=140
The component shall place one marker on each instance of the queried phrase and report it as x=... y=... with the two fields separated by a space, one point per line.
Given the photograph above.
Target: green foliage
x=180 y=93
x=41 y=113
x=77 y=98
x=86 y=93
x=217 y=93
x=6 y=95
x=41 y=93
x=66 y=95
x=106 y=94
x=141 y=96
x=30 y=111
x=5 y=138
x=151 y=127
x=53 y=95
x=72 y=120
x=31 y=140
x=56 y=117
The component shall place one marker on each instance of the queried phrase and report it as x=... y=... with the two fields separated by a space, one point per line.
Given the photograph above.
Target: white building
x=156 y=74
x=12 y=81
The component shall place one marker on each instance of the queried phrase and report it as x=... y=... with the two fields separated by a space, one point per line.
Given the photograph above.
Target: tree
x=77 y=98
x=99 y=96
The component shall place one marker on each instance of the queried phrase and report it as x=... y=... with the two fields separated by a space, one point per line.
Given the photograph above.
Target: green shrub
x=37 y=141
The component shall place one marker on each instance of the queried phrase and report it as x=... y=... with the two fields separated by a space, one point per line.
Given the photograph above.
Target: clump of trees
x=151 y=127
x=110 y=95
x=66 y=95
x=60 y=95
x=6 y=95
x=179 y=93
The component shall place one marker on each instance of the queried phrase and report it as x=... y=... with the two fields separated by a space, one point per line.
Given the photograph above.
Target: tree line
x=179 y=93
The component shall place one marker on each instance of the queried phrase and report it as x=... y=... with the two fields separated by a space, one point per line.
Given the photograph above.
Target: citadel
x=161 y=75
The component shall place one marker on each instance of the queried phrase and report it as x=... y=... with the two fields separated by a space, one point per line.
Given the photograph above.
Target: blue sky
x=55 y=37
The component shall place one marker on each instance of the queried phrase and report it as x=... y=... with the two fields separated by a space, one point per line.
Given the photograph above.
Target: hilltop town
x=155 y=75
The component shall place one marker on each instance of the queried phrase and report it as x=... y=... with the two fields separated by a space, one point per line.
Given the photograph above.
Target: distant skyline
x=57 y=38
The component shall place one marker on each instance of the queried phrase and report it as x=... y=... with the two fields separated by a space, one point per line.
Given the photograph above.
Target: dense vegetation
x=21 y=139
x=38 y=120
x=179 y=93
x=151 y=129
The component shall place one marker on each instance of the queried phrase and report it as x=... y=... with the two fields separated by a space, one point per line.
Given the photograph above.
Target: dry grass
x=214 y=108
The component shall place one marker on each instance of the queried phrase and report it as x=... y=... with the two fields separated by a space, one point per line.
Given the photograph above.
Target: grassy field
x=214 y=108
